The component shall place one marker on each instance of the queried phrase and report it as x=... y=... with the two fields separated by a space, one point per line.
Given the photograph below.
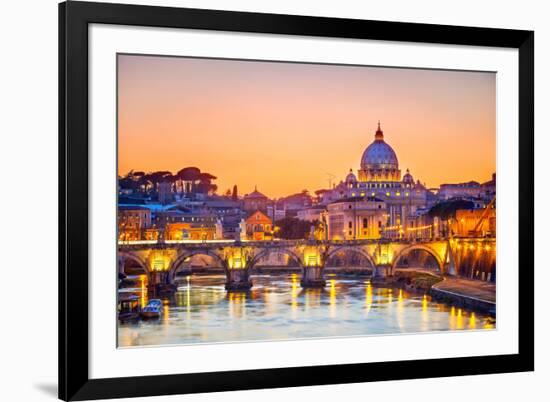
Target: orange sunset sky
x=285 y=126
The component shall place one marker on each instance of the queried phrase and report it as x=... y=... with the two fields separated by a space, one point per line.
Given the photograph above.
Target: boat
x=129 y=307
x=153 y=309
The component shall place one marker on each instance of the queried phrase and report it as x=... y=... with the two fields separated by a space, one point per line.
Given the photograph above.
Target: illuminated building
x=190 y=231
x=184 y=223
x=259 y=226
x=132 y=222
x=379 y=177
x=355 y=218
x=474 y=222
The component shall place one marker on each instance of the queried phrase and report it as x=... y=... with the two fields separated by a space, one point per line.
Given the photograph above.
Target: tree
x=235 y=196
x=294 y=228
x=447 y=209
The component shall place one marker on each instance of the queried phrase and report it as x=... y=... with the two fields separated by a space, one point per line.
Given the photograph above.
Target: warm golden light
x=472 y=323
x=332 y=297
x=368 y=297
x=294 y=292
x=459 y=320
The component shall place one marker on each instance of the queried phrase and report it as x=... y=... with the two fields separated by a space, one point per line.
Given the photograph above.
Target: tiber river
x=277 y=308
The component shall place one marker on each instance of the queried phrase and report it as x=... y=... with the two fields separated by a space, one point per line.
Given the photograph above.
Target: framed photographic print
x=257 y=200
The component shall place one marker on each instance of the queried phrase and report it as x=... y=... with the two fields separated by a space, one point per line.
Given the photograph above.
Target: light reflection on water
x=278 y=308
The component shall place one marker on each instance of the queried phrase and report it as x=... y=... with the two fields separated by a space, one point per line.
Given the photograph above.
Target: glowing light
x=420 y=228
x=459 y=321
x=332 y=297
x=237 y=259
x=294 y=293
x=368 y=297
x=312 y=257
x=472 y=323
x=143 y=298
x=452 y=319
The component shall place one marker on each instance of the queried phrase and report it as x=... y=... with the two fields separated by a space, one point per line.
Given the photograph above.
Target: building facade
x=255 y=201
x=355 y=218
x=259 y=226
x=379 y=178
x=133 y=221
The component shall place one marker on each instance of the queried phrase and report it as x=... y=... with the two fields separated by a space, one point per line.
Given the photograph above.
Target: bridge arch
x=358 y=250
x=125 y=256
x=176 y=264
x=266 y=251
x=403 y=252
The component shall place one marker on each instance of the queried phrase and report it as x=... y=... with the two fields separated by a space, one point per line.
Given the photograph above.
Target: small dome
x=351 y=178
x=379 y=155
x=407 y=178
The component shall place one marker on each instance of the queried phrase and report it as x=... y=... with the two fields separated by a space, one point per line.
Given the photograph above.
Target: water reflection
x=278 y=308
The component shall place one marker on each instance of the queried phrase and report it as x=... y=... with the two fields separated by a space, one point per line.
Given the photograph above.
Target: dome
x=407 y=178
x=379 y=155
x=351 y=178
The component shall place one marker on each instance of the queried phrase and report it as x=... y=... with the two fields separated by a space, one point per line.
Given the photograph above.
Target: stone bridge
x=161 y=260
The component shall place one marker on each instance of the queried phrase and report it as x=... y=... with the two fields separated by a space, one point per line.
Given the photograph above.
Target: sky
x=286 y=127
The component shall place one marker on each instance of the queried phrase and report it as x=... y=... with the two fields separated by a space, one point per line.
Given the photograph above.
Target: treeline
x=191 y=177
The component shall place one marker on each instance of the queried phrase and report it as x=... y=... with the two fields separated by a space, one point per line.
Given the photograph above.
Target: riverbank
x=465 y=293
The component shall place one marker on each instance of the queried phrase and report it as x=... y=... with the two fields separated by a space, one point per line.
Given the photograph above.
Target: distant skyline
x=286 y=127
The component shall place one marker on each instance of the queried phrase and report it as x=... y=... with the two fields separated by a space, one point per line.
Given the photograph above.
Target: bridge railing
x=260 y=243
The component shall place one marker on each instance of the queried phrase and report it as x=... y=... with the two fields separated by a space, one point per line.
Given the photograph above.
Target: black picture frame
x=74 y=18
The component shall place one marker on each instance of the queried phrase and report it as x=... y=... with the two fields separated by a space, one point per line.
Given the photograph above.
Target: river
x=277 y=308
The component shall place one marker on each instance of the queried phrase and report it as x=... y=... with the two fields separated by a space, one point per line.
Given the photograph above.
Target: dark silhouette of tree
x=447 y=209
x=157 y=177
x=189 y=174
x=294 y=228
x=235 y=195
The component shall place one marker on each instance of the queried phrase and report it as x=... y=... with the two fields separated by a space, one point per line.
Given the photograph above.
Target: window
x=349 y=224
x=365 y=223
